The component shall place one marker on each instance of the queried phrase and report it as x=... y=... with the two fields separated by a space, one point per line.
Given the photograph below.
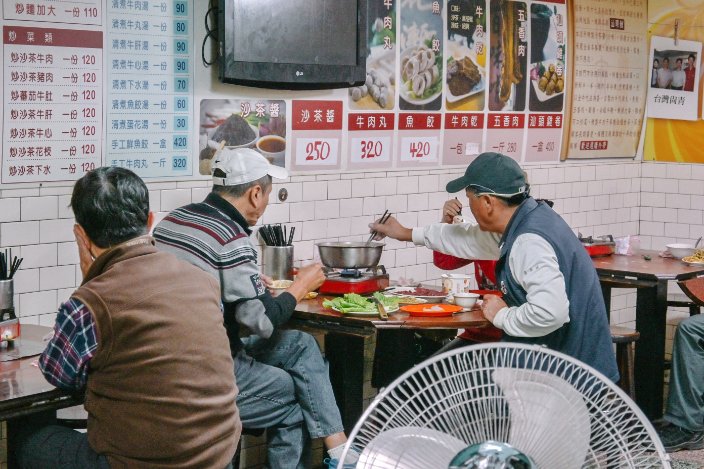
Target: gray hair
x=239 y=190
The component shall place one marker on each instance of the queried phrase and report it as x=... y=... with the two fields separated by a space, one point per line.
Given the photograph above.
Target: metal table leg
x=651 y=315
x=345 y=353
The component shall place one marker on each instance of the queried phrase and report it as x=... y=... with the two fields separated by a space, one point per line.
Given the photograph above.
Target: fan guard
x=558 y=411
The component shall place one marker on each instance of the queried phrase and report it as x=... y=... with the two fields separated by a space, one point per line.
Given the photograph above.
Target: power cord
x=210 y=33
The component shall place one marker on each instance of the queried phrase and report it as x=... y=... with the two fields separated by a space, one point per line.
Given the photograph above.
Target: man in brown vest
x=143 y=336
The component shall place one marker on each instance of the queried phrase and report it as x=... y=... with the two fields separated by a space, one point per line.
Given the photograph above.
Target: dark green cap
x=492 y=173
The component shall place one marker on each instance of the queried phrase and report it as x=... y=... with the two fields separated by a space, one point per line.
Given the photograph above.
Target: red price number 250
x=419 y=149
x=317 y=150
x=371 y=148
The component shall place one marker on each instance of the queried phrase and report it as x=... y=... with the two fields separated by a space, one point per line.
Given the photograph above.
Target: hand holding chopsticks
x=8 y=267
x=381 y=221
x=390 y=227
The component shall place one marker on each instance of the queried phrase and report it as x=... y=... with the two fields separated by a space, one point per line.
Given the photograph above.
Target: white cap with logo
x=243 y=165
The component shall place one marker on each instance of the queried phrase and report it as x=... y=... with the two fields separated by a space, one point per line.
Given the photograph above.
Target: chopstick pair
x=382 y=220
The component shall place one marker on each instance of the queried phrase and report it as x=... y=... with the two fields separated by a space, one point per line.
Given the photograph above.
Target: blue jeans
x=285 y=387
x=41 y=443
x=685 y=401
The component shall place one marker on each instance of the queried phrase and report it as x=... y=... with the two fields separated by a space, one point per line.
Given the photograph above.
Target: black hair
x=112 y=205
x=239 y=190
x=692 y=56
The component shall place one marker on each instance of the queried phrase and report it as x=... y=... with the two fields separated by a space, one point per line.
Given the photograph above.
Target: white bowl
x=466 y=300
x=681 y=250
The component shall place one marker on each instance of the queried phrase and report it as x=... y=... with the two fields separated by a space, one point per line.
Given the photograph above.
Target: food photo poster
x=242 y=123
x=673 y=81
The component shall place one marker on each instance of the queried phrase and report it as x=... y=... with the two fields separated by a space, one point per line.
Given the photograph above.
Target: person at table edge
x=144 y=336
x=283 y=380
x=551 y=291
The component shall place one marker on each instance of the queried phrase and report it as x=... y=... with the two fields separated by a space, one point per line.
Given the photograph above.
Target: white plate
x=403 y=87
x=389 y=309
x=542 y=95
x=451 y=98
x=693 y=264
x=399 y=291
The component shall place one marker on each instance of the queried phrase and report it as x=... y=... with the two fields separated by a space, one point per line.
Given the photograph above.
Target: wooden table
x=393 y=355
x=23 y=389
x=650 y=278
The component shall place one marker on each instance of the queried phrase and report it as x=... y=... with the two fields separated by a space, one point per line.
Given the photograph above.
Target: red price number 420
x=419 y=149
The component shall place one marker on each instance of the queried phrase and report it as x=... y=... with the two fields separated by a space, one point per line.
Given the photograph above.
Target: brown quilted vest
x=161 y=386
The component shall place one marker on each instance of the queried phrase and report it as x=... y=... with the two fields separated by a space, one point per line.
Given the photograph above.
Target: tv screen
x=293 y=43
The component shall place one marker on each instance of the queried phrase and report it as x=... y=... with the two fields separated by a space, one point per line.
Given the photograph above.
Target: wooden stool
x=624 y=339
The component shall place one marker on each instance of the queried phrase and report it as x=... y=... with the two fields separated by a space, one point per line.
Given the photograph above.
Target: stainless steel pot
x=350 y=254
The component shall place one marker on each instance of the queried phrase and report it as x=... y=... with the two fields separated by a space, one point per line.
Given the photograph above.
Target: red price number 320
x=371 y=149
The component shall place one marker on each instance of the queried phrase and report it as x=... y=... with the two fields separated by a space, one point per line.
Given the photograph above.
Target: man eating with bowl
x=282 y=377
x=551 y=292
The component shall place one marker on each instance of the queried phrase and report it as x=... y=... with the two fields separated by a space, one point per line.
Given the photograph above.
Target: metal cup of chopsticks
x=382 y=220
x=277 y=253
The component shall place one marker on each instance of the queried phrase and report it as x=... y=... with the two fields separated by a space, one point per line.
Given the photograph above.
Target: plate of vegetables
x=352 y=303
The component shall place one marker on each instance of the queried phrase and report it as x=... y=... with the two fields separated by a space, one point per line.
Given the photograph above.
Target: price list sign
x=544 y=137
x=504 y=134
x=463 y=137
x=371 y=140
x=52 y=11
x=316 y=130
x=52 y=103
x=150 y=89
x=419 y=135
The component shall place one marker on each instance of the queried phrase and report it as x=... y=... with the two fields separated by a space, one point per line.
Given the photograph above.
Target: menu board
x=93 y=82
x=97 y=82
x=52 y=106
x=150 y=96
x=610 y=77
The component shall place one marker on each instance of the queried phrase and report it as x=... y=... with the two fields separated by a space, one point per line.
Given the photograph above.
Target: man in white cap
x=282 y=377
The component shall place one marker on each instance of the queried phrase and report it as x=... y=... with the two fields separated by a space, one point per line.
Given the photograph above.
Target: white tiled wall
x=671 y=211
x=595 y=198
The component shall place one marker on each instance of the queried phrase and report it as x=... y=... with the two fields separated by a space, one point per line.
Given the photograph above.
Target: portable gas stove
x=339 y=282
x=598 y=246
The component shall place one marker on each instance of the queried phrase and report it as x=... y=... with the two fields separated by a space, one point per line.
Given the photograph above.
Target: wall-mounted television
x=293 y=44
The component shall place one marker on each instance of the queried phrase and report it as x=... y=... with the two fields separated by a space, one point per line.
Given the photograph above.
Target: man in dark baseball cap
x=494 y=174
x=551 y=292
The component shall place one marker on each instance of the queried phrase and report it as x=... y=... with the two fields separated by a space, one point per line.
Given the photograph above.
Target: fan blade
x=549 y=418
x=410 y=448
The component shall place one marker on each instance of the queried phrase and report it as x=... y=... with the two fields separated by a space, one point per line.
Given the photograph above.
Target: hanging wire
x=210 y=33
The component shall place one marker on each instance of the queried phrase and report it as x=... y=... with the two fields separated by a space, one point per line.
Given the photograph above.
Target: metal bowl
x=350 y=254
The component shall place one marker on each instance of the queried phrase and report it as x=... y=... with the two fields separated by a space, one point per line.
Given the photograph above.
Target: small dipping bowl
x=466 y=300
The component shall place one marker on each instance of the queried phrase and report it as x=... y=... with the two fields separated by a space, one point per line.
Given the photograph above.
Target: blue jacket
x=587 y=336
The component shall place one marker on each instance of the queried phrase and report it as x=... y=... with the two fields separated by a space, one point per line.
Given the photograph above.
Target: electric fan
x=504 y=405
